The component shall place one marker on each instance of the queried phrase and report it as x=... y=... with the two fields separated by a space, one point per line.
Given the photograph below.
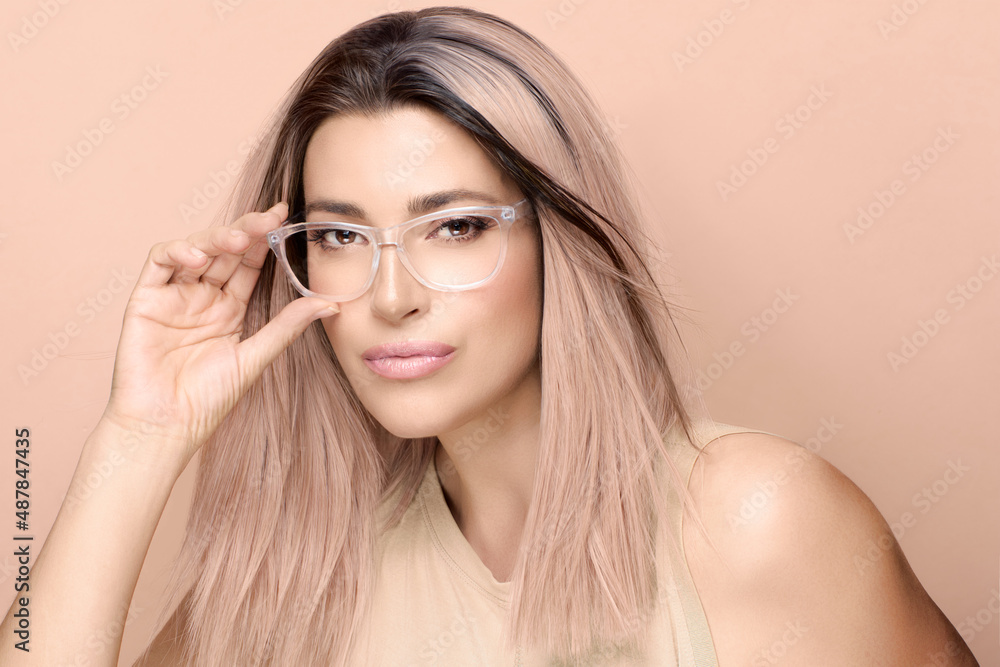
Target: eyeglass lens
x=453 y=251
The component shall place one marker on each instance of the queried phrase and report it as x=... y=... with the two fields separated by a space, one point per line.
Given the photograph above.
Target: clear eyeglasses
x=451 y=250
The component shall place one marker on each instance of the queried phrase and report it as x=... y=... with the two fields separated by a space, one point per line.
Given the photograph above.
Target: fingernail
x=198 y=253
x=238 y=233
x=328 y=311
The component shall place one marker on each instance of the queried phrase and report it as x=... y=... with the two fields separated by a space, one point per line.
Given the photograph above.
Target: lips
x=407 y=360
x=412 y=348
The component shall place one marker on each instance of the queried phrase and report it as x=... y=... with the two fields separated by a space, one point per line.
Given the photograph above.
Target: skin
x=492 y=386
x=793 y=562
x=179 y=369
x=795 y=581
x=181 y=365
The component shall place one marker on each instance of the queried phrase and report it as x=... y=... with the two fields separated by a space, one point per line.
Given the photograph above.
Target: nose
x=395 y=293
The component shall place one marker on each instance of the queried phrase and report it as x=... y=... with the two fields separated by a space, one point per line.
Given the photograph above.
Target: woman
x=506 y=490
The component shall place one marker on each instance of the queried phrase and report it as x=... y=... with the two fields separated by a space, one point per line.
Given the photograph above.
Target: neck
x=487 y=471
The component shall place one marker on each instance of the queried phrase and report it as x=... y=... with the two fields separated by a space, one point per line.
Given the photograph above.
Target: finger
x=224 y=266
x=166 y=258
x=259 y=350
x=243 y=234
x=218 y=243
x=244 y=276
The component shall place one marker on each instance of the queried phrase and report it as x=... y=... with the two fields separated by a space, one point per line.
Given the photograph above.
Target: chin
x=427 y=416
x=409 y=429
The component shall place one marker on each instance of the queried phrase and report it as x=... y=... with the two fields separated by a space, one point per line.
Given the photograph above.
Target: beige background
x=885 y=78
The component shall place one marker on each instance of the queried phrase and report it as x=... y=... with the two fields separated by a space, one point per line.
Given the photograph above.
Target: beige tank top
x=436 y=603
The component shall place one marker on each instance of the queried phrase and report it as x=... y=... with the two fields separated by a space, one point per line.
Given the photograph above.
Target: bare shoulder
x=166 y=649
x=795 y=562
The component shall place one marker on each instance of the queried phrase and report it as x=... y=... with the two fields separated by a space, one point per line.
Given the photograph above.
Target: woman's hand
x=180 y=365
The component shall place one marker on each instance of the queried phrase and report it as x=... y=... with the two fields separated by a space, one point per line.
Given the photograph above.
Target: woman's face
x=379 y=165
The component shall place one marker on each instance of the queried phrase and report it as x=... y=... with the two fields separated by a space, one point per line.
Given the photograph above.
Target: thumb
x=259 y=350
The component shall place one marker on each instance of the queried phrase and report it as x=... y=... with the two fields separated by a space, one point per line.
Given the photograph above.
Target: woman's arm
x=807 y=571
x=82 y=581
x=180 y=367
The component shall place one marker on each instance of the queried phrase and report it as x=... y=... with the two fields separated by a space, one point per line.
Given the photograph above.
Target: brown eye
x=466 y=228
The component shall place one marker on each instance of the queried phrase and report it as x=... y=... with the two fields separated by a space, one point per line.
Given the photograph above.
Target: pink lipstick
x=408 y=359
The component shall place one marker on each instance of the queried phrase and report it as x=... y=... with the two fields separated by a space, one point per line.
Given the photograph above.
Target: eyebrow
x=416 y=205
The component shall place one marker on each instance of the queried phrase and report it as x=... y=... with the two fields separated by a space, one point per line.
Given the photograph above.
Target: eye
x=464 y=228
x=332 y=238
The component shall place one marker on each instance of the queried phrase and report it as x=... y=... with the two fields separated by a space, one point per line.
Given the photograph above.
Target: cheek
x=524 y=294
x=514 y=310
x=503 y=327
x=336 y=329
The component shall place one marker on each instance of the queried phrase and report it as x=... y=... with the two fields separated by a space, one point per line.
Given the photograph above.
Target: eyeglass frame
x=505 y=216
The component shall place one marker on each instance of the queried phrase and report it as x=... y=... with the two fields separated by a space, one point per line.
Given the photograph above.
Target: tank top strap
x=692 y=637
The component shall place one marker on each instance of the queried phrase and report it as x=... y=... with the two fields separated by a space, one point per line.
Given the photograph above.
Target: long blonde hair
x=282 y=531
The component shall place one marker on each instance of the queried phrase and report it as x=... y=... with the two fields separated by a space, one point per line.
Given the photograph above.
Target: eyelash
x=475 y=224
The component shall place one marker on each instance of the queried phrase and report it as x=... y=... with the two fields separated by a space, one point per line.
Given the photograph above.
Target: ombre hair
x=295 y=487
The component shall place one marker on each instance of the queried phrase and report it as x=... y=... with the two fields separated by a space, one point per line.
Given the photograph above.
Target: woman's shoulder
x=794 y=555
x=748 y=485
x=767 y=499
